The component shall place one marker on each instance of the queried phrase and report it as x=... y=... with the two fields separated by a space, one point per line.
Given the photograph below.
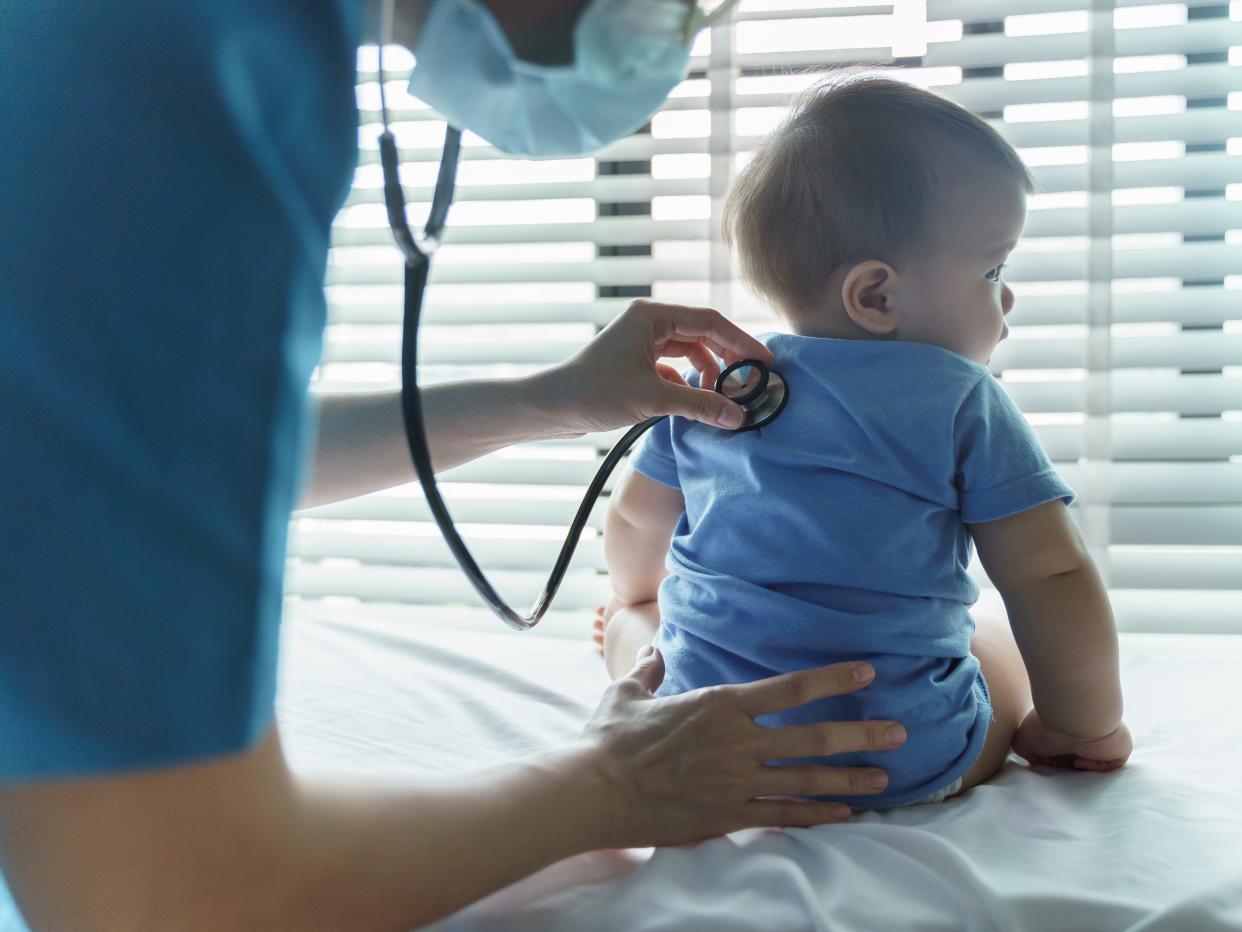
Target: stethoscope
x=749 y=383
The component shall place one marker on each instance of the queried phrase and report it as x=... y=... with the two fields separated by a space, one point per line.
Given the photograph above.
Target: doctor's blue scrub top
x=168 y=178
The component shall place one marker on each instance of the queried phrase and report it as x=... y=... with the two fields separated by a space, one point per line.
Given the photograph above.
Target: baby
x=876 y=220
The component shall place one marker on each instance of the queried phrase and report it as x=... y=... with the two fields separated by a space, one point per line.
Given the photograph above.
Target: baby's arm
x=1063 y=624
x=642 y=515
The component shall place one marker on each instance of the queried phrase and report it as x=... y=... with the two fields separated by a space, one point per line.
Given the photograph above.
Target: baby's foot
x=603 y=615
x=621 y=630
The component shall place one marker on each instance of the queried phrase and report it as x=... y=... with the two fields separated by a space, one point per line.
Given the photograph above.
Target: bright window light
x=1160 y=14
x=1046 y=24
x=1054 y=155
x=694 y=87
x=680 y=250
x=1141 y=151
x=1145 y=330
x=1034 y=70
x=682 y=292
x=399 y=98
x=485 y=171
x=419 y=134
x=777 y=83
x=365 y=294
x=755 y=121
x=549 y=210
x=1147 y=240
x=505 y=293
x=1155 y=195
x=1149 y=106
x=681 y=165
x=1041 y=113
x=780 y=6
x=681 y=124
x=396 y=58
x=361 y=216
x=1056 y=200
x=822 y=33
x=681 y=207
x=1045 y=375
x=1048 y=289
x=532 y=253
x=1033 y=244
x=1136 y=64
x=909 y=28
x=944 y=30
x=943 y=76
x=1145 y=285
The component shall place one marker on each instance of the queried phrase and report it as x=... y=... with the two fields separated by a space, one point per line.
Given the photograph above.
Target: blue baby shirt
x=838 y=533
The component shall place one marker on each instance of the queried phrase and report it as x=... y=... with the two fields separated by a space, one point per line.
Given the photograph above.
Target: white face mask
x=628 y=56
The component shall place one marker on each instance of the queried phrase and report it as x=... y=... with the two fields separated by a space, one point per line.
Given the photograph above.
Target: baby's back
x=836 y=533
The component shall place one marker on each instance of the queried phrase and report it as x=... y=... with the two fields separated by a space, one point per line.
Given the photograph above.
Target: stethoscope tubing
x=417 y=253
x=417 y=268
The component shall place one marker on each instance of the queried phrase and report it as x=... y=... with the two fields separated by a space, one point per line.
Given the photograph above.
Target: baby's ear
x=867 y=293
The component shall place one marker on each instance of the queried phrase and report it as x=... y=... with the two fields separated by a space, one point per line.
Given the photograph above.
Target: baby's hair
x=855 y=171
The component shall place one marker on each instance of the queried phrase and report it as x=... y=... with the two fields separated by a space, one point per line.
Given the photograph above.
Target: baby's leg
x=624 y=631
x=1008 y=686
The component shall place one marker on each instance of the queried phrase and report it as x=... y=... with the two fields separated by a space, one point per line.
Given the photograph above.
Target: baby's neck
x=827 y=322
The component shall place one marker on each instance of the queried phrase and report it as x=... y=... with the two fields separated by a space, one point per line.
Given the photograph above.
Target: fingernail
x=644 y=652
x=895 y=735
x=842 y=813
x=864 y=673
x=730 y=417
x=877 y=781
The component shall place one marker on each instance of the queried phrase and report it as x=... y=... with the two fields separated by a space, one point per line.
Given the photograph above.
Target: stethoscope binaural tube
x=760 y=406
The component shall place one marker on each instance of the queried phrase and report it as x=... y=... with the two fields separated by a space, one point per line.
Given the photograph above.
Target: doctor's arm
x=614 y=381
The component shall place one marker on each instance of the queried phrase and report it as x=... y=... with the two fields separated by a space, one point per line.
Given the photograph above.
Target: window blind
x=1126 y=337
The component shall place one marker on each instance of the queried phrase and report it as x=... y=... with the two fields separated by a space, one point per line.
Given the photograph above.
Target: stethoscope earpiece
x=759 y=391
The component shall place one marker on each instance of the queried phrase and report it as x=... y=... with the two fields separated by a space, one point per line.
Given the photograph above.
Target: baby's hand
x=1039 y=744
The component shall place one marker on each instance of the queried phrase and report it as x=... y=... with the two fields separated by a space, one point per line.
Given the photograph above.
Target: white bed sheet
x=372 y=694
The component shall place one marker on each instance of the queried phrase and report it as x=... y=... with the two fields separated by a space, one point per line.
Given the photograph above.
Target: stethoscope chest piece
x=759 y=391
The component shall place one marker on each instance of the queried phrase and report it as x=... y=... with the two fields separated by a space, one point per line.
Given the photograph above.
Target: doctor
x=168 y=177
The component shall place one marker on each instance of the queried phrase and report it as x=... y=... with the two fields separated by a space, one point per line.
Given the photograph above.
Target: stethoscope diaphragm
x=759 y=391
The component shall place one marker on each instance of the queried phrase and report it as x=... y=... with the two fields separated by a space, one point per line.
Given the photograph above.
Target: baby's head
x=878 y=210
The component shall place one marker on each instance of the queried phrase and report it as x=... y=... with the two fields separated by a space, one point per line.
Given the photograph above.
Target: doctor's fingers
x=820 y=781
x=700 y=357
x=827 y=738
x=676 y=323
x=777 y=693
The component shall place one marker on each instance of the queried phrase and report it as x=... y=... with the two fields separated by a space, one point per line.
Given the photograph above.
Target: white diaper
x=937 y=797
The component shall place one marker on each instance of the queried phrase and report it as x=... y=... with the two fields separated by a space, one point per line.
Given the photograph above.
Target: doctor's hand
x=688 y=767
x=616 y=379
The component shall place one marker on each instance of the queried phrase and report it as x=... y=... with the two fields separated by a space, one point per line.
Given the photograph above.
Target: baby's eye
x=995 y=274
